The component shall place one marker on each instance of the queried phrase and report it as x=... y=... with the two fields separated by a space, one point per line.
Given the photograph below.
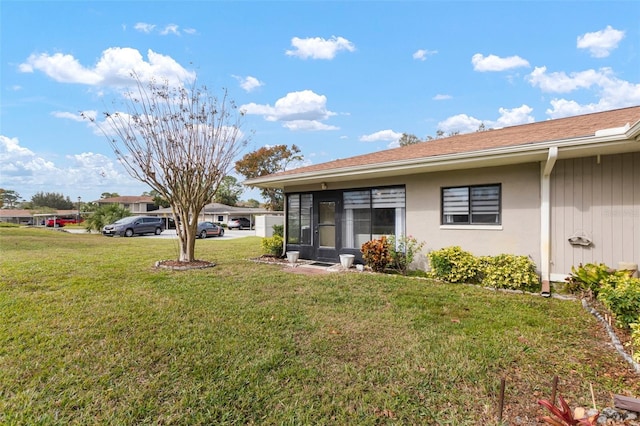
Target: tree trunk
x=186 y=229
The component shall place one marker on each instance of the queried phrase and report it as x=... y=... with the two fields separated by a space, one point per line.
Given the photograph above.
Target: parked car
x=209 y=229
x=60 y=222
x=132 y=225
x=239 y=223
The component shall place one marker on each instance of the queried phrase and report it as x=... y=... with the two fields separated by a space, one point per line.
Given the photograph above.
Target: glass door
x=326 y=229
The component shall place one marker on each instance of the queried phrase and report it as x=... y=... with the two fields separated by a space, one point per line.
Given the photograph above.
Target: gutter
x=545 y=219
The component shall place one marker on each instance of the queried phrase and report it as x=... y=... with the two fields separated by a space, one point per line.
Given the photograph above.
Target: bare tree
x=181 y=142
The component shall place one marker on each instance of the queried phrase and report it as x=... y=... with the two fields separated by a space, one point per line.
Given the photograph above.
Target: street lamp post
x=78 y=218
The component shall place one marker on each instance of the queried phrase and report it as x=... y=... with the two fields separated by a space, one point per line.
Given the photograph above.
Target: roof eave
x=625 y=140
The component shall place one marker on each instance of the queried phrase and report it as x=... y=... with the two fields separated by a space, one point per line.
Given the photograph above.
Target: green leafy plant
x=587 y=278
x=272 y=245
x=509 y=271
x=563 y=416
x=620 y=293
x=278 y=230
x=635 y=339
x=105 y=215
x=403 y=250
x=376 y=254
x=454 y=265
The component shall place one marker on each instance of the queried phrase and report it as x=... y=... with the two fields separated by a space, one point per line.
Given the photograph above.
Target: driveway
x=229 y=234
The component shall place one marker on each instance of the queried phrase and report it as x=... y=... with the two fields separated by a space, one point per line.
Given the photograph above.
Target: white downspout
x=545 y=219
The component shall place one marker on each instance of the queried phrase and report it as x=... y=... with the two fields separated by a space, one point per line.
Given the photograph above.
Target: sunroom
x=322 y=225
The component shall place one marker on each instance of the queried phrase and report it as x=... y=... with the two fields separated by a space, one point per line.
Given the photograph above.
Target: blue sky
x=335 y=78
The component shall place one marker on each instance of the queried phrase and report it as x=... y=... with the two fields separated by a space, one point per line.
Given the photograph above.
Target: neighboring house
x=33 y=217
x=564 y=192
x=18 y=216
x=135 y=204
x=221 y=213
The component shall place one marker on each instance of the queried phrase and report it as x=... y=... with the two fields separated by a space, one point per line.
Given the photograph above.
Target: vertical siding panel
x=569 y=226
x=557 y=219
x=626 y=220
x=617 y=211
x=586 y=206
x=607 y=210
x=576 y=210
x=636 y=208
x=597 y=211
x=602 y=200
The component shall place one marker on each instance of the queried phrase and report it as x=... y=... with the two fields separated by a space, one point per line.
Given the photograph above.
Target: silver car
x=134 y=225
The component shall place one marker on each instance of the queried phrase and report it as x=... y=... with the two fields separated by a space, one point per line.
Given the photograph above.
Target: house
x=221 y=213
x=563 y=191
x=17 y=216
x=33 y=217
x=135 y=204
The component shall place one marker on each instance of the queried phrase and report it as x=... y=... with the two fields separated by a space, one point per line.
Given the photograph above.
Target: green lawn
x=91 y=333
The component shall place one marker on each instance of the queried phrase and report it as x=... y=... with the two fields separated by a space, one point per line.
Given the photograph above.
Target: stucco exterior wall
x=600 y=199
x=519 y=232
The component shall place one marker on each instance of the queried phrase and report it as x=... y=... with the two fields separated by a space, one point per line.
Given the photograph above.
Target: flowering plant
x=403 y=250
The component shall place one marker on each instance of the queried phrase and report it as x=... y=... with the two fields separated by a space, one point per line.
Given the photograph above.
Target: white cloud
x=10 y=147
x=62 y=68
x=112 y=69
x=512 y=117
x=248 y=83
x=68 y=115
x=600 y=43
x=440 y=97
x=170 y=29
x=319 y=48
x=308 y=125
x=143 y=27
x=610 y=91
x=463 y=123
x=422 y=54
x=294 y=109
x=560 y=82
x=87 y=174
x=387 y=135
x=495 y=63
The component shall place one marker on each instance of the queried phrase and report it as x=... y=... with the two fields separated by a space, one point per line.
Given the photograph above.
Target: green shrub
x=272 y=245
x=587 y=278
x=454 y=265
x=403 y=250
x=635 y=339
x=105 y=215
x=376 y=254
x=278 y=230
x=509 y=271
x=621 y=295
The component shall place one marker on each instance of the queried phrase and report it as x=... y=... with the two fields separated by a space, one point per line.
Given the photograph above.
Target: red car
x=60 y=222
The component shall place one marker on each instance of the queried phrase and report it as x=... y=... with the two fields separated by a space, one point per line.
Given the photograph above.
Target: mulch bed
x=177 y=265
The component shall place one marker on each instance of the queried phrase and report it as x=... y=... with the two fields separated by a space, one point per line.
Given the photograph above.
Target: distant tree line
x=411 y=139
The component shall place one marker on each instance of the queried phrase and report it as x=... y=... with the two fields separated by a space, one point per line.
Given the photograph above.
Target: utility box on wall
x=264 y=224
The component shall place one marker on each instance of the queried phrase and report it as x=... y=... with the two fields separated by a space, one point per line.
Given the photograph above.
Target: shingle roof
x=525 y=134
x=126 y=199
